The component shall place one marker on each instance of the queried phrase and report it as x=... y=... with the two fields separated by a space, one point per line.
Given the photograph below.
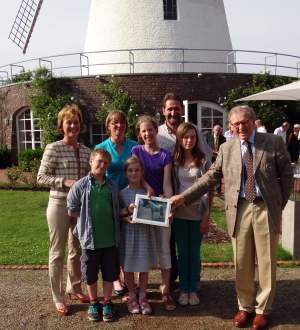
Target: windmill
x=24 y=22
x=156 y=35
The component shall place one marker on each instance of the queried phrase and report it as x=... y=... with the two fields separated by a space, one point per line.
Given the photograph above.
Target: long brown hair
x=197 y=153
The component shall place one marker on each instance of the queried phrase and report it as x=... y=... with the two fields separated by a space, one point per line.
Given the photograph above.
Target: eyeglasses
x=243 y=123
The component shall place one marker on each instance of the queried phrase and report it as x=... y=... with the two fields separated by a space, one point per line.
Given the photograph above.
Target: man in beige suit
x=258 y=180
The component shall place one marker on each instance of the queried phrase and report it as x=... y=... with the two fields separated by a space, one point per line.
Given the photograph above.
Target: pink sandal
x=133 y=306
x=145 y=306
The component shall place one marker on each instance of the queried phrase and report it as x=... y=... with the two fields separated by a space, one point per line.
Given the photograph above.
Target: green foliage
x=114 y=98
x=29 y=160
x=49 y=95
x=5 y=156
x=272 y=113
x=14 y=174
x=22 y=76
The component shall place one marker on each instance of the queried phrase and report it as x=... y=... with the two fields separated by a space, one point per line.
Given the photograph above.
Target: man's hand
x=176 y=200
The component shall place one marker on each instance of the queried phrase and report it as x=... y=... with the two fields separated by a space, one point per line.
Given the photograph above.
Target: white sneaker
x=183 y=299
x=193 y=298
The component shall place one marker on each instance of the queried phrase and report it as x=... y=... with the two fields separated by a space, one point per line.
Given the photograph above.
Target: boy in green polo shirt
x=94 y=201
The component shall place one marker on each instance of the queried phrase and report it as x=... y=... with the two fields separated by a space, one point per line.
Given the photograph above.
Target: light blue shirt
x=244 y=150
x=115 y=171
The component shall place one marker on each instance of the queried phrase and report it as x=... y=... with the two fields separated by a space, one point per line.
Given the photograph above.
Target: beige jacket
x=273 y=174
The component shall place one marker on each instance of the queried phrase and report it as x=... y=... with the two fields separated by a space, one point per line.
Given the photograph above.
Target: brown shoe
x=260 y=322
x=168 y=302
x=242 y=319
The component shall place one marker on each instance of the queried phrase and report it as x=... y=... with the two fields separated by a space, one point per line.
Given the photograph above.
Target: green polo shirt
x=102 y=215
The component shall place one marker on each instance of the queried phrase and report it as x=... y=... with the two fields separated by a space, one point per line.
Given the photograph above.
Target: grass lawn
x=24 y=232
x=23 y=227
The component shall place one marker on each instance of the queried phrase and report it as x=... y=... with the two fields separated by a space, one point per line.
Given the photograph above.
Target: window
x=210 y=116
x=206 y=114
x=170 y=9
x=97 y=133
x=29 y=135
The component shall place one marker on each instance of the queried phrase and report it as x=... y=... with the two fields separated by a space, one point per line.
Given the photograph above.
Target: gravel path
x=26 y=304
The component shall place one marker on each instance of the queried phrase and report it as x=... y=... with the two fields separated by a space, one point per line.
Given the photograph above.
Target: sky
x=261 y=25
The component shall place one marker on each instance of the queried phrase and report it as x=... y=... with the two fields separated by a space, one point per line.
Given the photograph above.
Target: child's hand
x=171 y=217
x=127 y=219
x=150 y=192
x=130 y=208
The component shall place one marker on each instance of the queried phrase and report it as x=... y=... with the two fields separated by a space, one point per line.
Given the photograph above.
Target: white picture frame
x=151 y=211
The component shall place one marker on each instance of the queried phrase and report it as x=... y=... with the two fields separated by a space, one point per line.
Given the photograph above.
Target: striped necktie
x=250 y=180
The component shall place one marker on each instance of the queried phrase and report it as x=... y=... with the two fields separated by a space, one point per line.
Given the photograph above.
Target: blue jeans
x=188 y=239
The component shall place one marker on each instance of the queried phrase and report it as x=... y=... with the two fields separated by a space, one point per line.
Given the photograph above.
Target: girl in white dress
x=138 y=247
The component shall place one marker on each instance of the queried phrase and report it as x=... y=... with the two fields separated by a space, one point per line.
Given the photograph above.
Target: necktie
x=250 y=180
x=216 y=143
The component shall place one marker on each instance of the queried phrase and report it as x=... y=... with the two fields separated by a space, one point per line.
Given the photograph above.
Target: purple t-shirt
x=153 y=166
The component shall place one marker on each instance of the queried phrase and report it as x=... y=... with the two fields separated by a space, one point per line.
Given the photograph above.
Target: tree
x=49 y=95
x=114 y=98
x=272 y=113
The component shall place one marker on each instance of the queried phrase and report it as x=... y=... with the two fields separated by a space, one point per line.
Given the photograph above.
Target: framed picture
x=154 y=211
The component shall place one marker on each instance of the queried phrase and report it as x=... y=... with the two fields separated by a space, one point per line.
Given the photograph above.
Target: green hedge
x=28 y=160
x=5 y=156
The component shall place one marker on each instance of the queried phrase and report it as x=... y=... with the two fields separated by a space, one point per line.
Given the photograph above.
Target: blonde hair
x=144 y=119
x=115 y=115
x=67 y=112
x=132 y=160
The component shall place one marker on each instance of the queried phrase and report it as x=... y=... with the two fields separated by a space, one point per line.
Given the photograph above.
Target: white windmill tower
x=146 y=36
x=153 y=25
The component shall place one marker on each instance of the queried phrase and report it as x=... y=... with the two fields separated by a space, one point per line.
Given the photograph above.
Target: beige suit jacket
x=273 y=174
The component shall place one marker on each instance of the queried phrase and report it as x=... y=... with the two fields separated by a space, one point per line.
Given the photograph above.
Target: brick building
x=203 y=93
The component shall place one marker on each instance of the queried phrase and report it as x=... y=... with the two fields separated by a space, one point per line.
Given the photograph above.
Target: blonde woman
x=63 y=163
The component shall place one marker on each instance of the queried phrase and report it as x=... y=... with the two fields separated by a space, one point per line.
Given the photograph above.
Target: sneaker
x=94 y=311
x=145 y=306
x=133 y=306
x=107 y=312
x=183 y=299
x=193 y=299
x=168 y=302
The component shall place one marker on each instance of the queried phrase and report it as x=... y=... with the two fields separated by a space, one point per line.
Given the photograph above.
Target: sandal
x=168 y=302
x=133 y=306
x=122 y=292
x=62 y=309
x=145 y=307
x=79 y=296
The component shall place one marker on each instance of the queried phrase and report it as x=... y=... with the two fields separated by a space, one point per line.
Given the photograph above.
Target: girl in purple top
x=157 y=164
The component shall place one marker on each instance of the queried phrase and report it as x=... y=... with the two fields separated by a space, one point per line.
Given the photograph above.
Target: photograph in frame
x=154 y=211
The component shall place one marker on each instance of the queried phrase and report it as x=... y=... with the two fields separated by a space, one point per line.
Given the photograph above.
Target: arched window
x=170 y=9
x=29 y=135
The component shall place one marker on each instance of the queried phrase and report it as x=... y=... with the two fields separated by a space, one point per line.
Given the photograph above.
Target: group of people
x=92 y=197
x=290 y=135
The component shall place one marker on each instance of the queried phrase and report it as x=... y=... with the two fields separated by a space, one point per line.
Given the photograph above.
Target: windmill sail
x=23 y=25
